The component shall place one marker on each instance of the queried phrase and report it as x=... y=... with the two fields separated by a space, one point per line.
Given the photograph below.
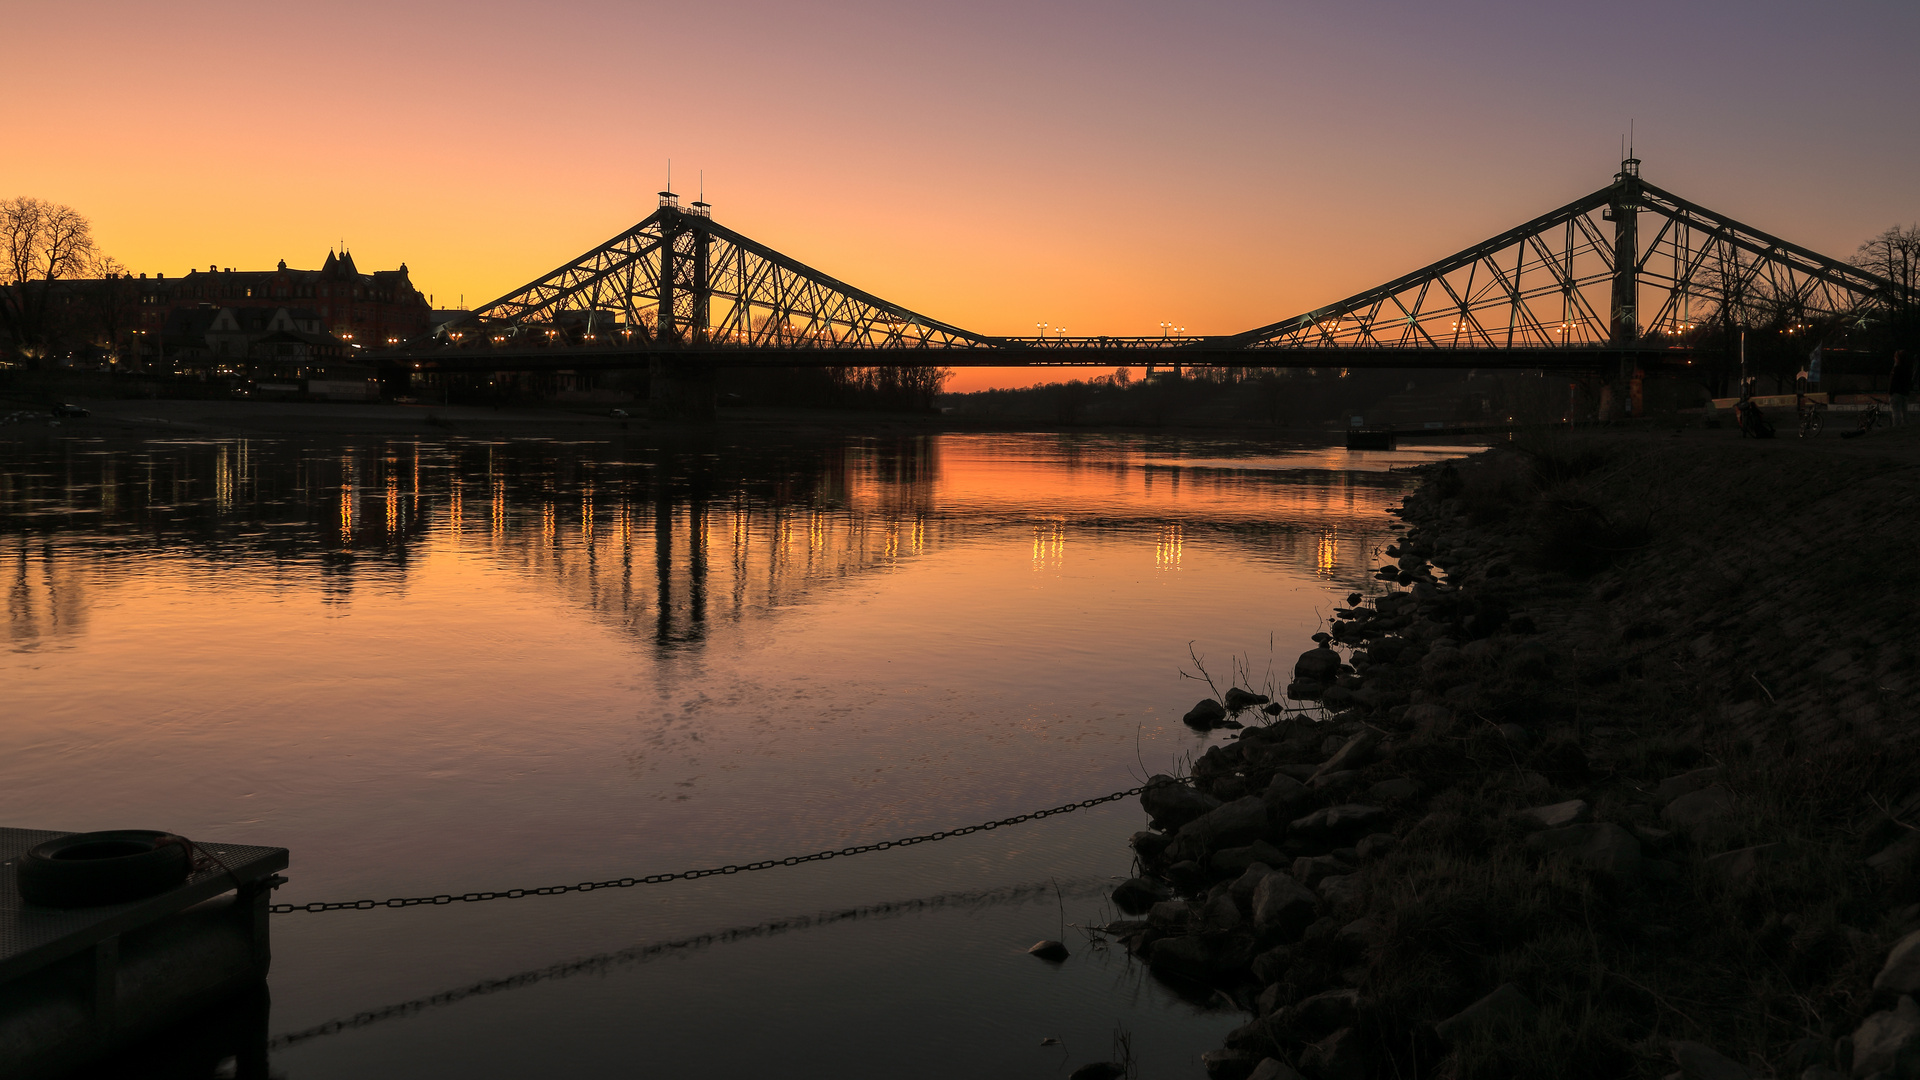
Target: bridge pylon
x=1623 y=320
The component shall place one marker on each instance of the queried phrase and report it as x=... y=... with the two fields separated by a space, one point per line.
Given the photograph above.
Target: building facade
x=366 y=311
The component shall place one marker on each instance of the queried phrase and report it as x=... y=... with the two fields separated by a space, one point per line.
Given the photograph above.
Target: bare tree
x=40 y=243
x=1894 y=255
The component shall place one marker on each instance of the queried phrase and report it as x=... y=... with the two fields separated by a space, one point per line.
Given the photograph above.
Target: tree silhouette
x=40 y=243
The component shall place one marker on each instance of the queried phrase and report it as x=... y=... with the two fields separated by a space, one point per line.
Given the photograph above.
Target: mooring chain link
x=602 y=963
x=688 y=875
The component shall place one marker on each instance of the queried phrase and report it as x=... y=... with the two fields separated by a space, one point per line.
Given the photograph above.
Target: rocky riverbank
x=1611 y=775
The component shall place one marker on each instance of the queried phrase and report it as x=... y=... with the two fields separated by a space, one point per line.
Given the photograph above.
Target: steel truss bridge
x=1587 y=287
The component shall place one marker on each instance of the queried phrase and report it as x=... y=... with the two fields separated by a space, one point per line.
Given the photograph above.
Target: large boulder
x=1506 y=1005
x=1340 y=890
x=1274 y=1069
x=1221 y=915
x=1375 y=845
x=1185 y=955
x=1741 y=866
x=1705 y=815
x=1206 y=713
x=1901 y=973
x=1137 y=895
x=1352 y=754
x=1234 y=824
x=1311 y=870
x=1339 y=1056
x=1306 y=689
x=1335 y=823
x=1320 y=665
x=1428 y=720
x=1698 y=1061
x=1394 y=789
x=1362 y=933
x=1282 y=907
x=1235 y=861
x=1567 y=813
x=1238 y=699
x=1685 y=784
x=1605 y=847
x=1263 y=751
x=1170 y=915
x=1228 y=1064
x=1242 y=888
x=1172 y=804
x=1284 y=796
x=1149 y=845
x=1897 y=858
x=1883 y=1036
x=1326 y=1011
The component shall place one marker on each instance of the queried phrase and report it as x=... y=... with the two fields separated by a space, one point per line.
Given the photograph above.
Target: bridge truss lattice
x=1589 y=275
x=679 y=279
x=1626 y=271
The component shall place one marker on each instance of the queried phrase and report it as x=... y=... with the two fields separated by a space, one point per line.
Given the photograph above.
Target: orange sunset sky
x=1101 y=167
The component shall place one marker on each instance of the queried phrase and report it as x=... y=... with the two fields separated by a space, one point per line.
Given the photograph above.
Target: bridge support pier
x=680 y=390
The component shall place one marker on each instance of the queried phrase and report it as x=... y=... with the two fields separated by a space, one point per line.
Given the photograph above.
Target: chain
x=689 y=875
x=602 y=963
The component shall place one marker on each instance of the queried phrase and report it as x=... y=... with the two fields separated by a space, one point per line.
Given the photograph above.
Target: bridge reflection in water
x=668 y=544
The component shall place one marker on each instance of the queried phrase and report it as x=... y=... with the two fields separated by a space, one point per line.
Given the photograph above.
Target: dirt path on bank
x=1616 y=779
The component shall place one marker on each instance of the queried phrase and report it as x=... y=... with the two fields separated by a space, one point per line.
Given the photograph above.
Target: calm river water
x=437 y=667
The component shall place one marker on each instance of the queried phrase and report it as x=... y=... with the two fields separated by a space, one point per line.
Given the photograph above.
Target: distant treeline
x=891 y=389
x=1221 y=396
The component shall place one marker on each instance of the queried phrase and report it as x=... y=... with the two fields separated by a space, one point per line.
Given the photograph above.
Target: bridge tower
x=681 y=387
x=1623 y=325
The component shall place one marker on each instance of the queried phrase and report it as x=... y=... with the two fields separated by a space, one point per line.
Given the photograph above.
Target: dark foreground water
x=439 y=667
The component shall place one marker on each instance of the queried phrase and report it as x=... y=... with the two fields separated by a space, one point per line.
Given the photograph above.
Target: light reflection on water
x=447 y=666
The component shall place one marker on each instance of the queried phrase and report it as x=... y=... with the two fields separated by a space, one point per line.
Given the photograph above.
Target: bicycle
x=1872 y=418
x=1812 y=414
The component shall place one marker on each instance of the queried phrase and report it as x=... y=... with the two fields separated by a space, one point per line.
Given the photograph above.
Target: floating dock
x=78 y=985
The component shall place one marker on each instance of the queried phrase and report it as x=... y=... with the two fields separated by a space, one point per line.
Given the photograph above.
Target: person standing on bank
x=1899 y=385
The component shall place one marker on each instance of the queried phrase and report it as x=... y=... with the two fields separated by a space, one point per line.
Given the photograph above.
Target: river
x=446 y=666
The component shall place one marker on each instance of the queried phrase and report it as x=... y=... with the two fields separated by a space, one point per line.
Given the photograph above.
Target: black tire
x=88 y=869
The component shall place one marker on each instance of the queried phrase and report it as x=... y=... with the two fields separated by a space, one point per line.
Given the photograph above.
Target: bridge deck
x=578 y=358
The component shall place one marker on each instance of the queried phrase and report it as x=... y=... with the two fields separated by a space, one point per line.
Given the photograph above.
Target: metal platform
x=32 y=937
